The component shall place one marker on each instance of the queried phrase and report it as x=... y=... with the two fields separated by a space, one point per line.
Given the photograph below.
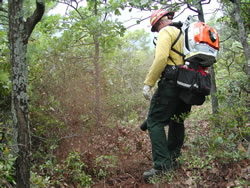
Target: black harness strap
x=177 y=38
x=172 y=48
x=172 y=60
x=154 y=40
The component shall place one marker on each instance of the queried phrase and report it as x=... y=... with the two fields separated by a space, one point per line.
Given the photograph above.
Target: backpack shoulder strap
x=172 y=47
x=177 y=38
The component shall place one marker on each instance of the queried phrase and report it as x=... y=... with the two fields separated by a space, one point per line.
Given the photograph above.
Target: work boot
x=152 y=172
x=175 y=164
x=144 y=126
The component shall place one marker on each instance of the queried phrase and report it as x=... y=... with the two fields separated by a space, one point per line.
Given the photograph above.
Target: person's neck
x=166 y=23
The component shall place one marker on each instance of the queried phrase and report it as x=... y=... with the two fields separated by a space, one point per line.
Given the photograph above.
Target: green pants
x=166 y=108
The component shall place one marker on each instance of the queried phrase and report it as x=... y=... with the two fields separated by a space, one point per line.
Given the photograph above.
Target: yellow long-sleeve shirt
x=166 y=38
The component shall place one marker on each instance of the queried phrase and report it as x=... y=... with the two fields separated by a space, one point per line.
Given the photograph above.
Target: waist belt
x=170 y=72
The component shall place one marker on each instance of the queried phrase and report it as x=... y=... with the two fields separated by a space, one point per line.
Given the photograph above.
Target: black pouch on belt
x=170 y=72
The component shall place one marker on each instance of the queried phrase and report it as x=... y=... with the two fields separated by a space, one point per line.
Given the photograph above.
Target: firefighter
x=165 y=107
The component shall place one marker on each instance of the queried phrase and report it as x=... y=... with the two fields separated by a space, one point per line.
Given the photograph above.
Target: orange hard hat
x=157 y=15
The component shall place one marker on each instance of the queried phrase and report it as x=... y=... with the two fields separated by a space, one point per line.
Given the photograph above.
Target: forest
x=71 y=101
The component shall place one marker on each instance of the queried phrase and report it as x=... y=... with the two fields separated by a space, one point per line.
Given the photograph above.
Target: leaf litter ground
x=117 y=157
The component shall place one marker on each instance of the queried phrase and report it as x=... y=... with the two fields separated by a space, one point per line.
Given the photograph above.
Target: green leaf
x=117 y=12
x=4 y=76
x=218 y=140
x=156 y=7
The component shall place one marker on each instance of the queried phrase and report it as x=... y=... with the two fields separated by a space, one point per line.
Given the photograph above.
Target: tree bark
x=19 y=33
x=242 y=33
x=97 y=82
x=97 y=76
x=200 y=12
x=215 y=103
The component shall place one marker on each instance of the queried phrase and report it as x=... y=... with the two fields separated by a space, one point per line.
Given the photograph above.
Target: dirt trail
x=124 y=153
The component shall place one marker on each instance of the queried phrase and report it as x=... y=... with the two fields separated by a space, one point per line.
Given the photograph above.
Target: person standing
x=165 y=107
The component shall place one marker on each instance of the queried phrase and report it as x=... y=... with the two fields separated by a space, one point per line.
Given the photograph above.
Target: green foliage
x=233 y=91
x=141 y=5
x=197 y=155
x=227 y=18
x=62 y=89
x=3 y=16
x=42 y=120
x=7 y=170
x=230 y=133
x=75 y=170
x=38 y=181
x=198 y=162
x=30 y=6
x=125 y=70
x=105 y=165
x=88 y=24
x=62 y=92
x=49 y=26
x=5 y=82
x=161 y=179
x=231 y=80
x=7 y=158
x=215 y=140
x=54 y=173
x=226 y=138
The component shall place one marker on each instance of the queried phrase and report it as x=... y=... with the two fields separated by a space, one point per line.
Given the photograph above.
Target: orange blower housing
x=206 y=34
x=201 y=44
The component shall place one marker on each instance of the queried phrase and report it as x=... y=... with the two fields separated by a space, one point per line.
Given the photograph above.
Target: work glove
x=146 y=92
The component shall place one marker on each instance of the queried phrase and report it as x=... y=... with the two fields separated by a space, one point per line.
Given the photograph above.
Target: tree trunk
x=97 y=82
x=200 y=12
x=19 y=79
x=242 y=34
x=215 y=103
x=97 y=76
x=19 y=32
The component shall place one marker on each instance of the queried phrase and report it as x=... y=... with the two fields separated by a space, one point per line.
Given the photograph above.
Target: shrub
x=71 y=171
x=229 y=133
x=7 y=158
x=106 y=165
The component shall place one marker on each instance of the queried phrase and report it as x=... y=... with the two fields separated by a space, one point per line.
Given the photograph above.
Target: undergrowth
x=215 y=144
x=214 y=152
x=7 y=157
x=70 y=172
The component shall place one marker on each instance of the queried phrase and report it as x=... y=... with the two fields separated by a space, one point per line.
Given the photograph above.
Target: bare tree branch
x=240 y=48
x=74 y=7
x=137 y=23
x=206 y=2
x=221 y=41
x=242 y=33
x=83 y=44
x=188 y=5
x=35 y=18
x=181 y=12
